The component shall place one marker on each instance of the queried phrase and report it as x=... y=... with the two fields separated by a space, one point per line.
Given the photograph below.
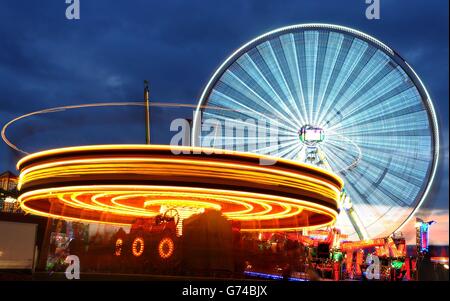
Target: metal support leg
x=354 y=218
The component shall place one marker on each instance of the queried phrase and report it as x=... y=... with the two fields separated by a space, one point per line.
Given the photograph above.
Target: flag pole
x=147 y=112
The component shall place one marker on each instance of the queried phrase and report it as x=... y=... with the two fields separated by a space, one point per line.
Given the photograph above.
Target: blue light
x=271 y=276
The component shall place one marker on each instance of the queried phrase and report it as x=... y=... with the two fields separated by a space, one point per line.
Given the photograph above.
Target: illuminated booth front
x=152 y=197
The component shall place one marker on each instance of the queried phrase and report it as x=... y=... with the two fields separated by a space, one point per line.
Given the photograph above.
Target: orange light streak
x=287 y=196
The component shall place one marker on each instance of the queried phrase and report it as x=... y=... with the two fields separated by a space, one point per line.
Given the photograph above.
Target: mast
x=147 y=112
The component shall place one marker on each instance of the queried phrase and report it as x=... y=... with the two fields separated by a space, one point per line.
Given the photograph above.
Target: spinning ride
x=339 y=99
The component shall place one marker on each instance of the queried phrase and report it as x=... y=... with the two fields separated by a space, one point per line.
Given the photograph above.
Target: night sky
x=47 y=61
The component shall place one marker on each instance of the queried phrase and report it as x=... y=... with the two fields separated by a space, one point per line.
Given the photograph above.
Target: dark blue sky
x=47 y=60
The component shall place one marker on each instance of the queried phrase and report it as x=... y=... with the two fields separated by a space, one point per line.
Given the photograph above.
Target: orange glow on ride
x=116 y=184
x=166 y=247
x=119 y=244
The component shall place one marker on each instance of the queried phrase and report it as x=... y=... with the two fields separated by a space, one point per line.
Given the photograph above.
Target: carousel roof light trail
x=89 y=105
x=118 y=183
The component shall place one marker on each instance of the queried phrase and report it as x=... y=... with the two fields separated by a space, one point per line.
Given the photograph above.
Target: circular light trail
x=116 y=184
x=88 y=105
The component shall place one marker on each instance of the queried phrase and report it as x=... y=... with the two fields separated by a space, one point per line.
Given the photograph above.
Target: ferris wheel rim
x=409 y=71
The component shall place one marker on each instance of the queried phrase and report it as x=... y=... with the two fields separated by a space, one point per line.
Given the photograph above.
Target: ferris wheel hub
x=311 y=135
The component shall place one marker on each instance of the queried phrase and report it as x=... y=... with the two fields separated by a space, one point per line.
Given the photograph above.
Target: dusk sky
x=47 y=61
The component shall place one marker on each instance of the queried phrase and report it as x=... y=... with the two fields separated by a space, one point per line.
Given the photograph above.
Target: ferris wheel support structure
x=317 y=157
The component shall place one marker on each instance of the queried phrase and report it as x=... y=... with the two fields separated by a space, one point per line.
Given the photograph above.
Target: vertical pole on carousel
x=147 y=112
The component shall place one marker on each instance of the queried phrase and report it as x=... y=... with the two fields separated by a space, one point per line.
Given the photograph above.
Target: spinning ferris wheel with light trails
x=341 y=100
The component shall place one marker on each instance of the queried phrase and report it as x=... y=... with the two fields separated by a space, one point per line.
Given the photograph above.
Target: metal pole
x=353 y=217
x=147 y=112
x=345 y=201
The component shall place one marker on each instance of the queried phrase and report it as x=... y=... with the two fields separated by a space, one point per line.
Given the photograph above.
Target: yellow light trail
x=74 y=183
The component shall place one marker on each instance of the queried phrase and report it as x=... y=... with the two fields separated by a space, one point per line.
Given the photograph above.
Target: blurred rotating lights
x=116 y=184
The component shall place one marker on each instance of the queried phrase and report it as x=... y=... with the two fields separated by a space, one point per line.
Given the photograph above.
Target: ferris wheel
x=340 y=99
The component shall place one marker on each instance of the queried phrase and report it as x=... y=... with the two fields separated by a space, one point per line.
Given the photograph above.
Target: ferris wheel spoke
x=294 y=154
x=245 y=144
x=390 y=95
x=337 y=77
x=342 y=148
x=260 y=98
x=318 y=74
x=229 y=124
x=287 y=150
x=311 y=66
x=301 y=93
x=256 y=138
x=275 y=148
x=399 y=150
x=263 y=117
x=392 y=118
x=303 y=71
x=355 y=82
x=283 y=82
x=271 y=88
x=352 y=156
x=252 y=113
x=330 y=60
x=288 y=57
x=249 y=122
x=373 y=86
x=344 y=143
x=378 y=162
x=338 y=164
x=347 y=79
x=385 y=89
x=335 y=161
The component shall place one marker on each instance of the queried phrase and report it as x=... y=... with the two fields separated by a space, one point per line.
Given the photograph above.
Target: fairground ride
x=341 y=100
